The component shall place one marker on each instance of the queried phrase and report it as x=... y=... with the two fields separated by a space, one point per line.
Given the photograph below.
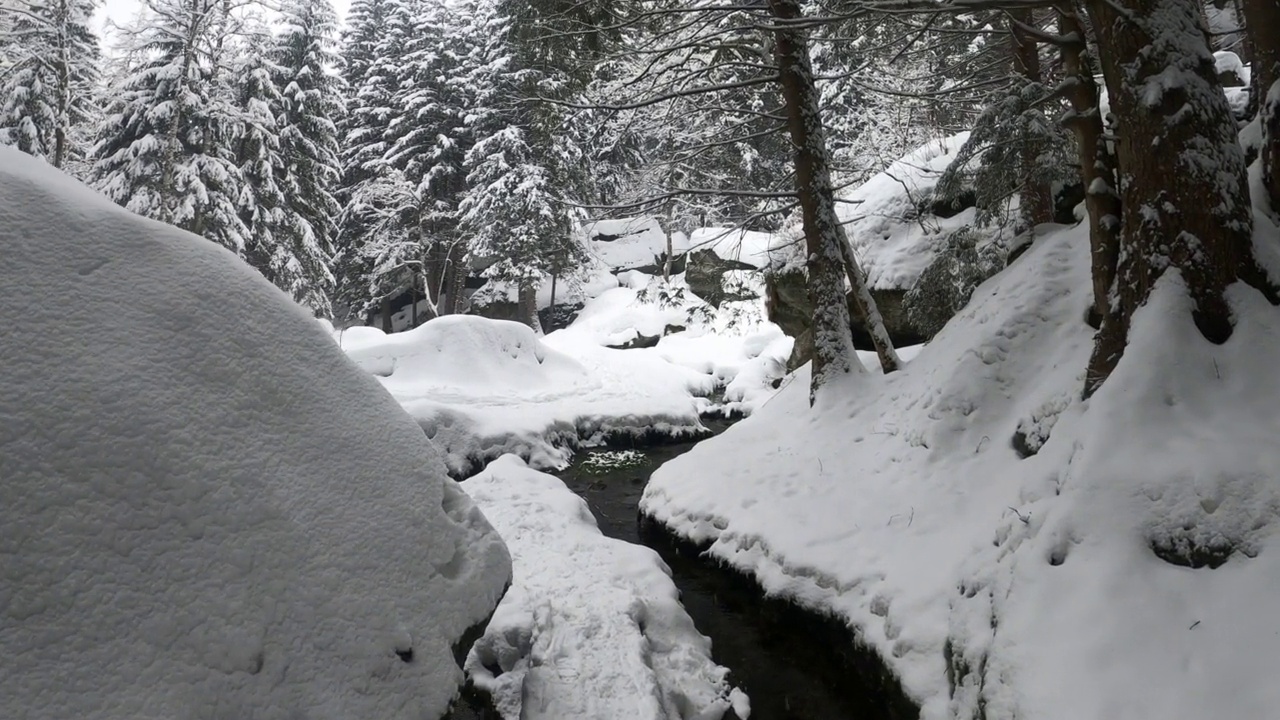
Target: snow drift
x=592 y=628
x=207 y=513
x=1008 y=549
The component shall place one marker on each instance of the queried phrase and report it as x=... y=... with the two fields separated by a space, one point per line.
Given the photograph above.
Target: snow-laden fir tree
x=310 y=97
x=372 y=198
x=165 y=148
x=525 y=161
x=263 y=206
x=47 y=77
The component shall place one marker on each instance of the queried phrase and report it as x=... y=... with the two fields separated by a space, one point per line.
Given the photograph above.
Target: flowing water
x=792 y=663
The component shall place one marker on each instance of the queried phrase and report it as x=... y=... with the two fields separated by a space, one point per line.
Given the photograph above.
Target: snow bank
x=893 y=240
x=207 y=513
x=629 y=243
x=592 y=627
x=745 y=246
x=734 y=348
x=481 y=388
x=1043 y=587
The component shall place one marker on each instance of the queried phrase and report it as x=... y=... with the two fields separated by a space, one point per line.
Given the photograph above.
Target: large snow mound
x=1046 y=587
x=592 y=627
x=207 y=510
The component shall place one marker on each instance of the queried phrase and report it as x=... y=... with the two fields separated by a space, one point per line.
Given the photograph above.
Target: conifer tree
x=47 y=79
x=163 y=150
x=308 y=136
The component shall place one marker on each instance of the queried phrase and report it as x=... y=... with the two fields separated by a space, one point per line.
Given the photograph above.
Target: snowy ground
x=592 y=627
x=207 y=512
x=1001 y=587
x=481 y=388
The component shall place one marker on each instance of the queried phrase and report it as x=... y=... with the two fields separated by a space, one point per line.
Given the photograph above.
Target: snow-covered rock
x=1052 y=587
x=893 y=239
x=481 y=388
x=630 y=243
x=744 y=246
x=207 y=510
x=592 y=627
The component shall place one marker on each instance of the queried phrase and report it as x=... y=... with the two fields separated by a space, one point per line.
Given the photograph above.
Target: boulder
x=787 y=304
x=704 y=272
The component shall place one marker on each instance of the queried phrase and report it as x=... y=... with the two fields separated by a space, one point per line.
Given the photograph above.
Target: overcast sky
x=121 y=11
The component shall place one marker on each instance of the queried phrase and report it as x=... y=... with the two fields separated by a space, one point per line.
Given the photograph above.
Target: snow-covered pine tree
x=47 y=79
x=310 y=97
x=262 y=202
x=429 y=140
x=373 y=45
x=165 y=148
x=520 y=168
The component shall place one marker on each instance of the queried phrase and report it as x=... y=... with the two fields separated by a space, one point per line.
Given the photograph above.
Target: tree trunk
x=527 y=306
x=1097 y=162
x=833 y=354
x=1262 y=18
x=386 y=315
x=868 y=312
x=458 y=279
x=1036 y=198
x=1177 y=153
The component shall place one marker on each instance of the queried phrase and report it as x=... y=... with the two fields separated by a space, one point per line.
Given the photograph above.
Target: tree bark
x=527 y=306
x=868 y=312
x=1036 y=201
x=833 y=354
x=1097 y=162
x=1177 y=153
x=385 y=312
x=1262 y=17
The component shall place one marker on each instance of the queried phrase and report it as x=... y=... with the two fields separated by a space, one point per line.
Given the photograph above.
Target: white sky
x=121 y=11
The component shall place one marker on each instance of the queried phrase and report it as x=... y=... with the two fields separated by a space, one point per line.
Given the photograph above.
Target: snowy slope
x=591 y=628
x=207 y=514
x=902 y=506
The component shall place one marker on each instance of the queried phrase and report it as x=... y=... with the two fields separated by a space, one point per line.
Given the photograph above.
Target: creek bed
x=792 y=663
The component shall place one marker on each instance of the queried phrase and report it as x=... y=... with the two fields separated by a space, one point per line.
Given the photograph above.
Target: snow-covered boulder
x=631 y=243
x=481 y=388
x=208 y=511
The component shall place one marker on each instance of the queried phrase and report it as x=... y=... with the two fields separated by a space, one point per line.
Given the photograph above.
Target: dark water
x=793 y=664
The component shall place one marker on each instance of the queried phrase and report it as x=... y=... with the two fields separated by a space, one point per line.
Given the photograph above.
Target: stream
x=792 y=663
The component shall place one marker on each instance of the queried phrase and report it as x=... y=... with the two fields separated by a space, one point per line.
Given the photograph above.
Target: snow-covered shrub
x=947 y=283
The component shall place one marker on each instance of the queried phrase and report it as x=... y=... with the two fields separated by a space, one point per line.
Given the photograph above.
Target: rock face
x=208 y=511
x=704 y=272
x=787 y=302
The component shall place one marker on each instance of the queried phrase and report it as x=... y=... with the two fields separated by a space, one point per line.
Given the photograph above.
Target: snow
x=893 y=240
x=208 y=513
x=592 y=627
x=899 y=505
x=636 y=242
x=744 y=246
x=481 y=388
